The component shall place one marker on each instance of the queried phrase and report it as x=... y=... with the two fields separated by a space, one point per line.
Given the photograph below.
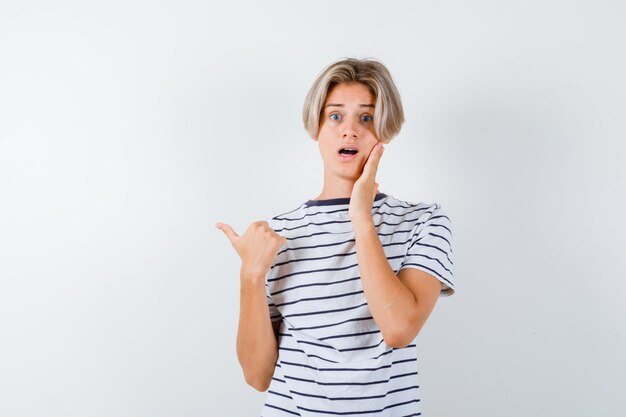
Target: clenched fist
x=257 y=247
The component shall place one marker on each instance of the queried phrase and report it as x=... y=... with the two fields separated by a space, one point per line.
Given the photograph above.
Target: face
x=347 y=122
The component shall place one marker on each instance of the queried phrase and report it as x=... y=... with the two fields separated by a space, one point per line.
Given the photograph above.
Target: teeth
x=348 y=151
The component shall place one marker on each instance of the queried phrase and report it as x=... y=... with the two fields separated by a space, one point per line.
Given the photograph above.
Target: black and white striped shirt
x=332 y=357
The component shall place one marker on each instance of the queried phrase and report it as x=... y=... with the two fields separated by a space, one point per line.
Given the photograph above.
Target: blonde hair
x=388 y=112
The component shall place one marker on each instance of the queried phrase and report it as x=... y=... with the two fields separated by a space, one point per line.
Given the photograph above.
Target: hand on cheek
x=365 y=188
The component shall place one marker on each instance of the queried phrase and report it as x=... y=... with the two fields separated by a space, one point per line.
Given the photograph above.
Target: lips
x=347 y=157
x=348 y=150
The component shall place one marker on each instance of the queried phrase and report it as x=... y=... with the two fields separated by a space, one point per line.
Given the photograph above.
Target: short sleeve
x=274 y=313
x=430 y=248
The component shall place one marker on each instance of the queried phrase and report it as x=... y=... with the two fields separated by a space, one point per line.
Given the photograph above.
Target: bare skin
x=257 y=347
x=400 y=304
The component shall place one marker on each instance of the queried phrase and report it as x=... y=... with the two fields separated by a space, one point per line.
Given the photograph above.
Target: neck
x=336 y=187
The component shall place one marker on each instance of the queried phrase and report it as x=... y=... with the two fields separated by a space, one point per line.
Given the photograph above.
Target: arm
x=257 y=347
x=401 y=304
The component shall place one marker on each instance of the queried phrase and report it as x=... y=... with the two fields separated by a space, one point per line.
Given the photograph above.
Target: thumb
x=228 y=231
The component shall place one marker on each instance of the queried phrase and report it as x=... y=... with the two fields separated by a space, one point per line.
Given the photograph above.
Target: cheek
x=325 y=128
x=324 y=147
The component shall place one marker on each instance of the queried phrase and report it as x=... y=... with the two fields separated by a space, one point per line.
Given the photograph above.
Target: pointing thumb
x=228 y=231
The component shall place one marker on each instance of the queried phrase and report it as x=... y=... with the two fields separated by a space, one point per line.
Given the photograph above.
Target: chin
x=348 y=175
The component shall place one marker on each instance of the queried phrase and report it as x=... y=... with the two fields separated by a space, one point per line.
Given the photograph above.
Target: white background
x=128 y=128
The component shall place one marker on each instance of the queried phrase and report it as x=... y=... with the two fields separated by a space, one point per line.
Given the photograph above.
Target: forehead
x=349 y=93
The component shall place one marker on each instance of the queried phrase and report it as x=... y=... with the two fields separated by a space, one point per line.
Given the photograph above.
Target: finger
x=371 y=165
x=228 y=231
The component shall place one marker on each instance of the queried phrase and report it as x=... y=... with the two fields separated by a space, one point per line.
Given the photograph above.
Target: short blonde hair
x=388 y=112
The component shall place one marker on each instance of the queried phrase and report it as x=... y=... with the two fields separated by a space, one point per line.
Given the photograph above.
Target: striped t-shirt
x=332 y=359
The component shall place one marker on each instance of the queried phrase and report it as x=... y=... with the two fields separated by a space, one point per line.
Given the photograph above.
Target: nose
x=349 y=130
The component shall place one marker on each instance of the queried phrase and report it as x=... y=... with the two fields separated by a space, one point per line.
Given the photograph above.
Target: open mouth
x=348 y=151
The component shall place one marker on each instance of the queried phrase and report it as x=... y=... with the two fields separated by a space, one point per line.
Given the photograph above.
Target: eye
x=366 y=118
x=332 y=116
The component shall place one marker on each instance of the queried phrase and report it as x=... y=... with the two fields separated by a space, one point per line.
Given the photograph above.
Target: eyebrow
x=341 y=105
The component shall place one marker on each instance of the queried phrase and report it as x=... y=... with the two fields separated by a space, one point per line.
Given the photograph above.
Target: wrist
x=251 y=277
x=362 y=224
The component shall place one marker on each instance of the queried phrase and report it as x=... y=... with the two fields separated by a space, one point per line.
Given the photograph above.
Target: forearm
x=392 y=304
x=257 y=348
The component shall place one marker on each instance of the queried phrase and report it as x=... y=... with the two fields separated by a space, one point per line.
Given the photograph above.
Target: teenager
x=335 y=292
